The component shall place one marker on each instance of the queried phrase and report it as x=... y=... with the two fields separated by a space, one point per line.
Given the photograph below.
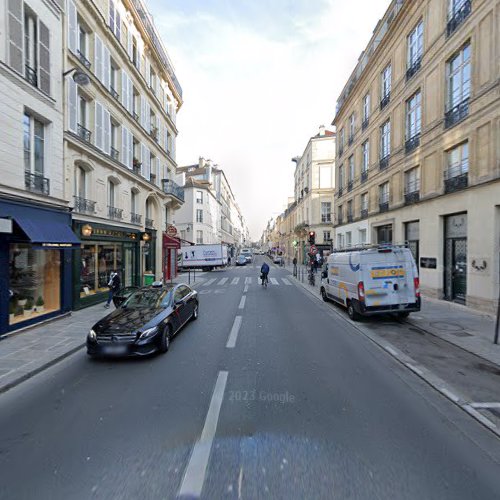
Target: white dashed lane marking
x=248 y=281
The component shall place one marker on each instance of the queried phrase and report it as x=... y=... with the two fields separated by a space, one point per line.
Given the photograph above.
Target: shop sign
x=428 y=262
x=171 y=230
x=113 y=233
x=5 y=225
x=56 y=245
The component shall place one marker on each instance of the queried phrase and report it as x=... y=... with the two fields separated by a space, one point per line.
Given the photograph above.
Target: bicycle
x=265 y=280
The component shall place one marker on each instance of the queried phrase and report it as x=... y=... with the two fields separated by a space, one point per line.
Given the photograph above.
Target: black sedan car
x=145 y=323
x=241 y=260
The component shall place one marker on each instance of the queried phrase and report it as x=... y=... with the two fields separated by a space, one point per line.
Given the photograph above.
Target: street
x=270 y=394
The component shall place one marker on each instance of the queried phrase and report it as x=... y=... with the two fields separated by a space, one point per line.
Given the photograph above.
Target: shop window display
x=35 y=282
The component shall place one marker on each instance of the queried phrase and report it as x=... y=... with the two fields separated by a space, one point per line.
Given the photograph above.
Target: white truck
x=372 y=280
x=205 y=257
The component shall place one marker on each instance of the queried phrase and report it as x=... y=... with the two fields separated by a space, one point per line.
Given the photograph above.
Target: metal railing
x=30 y=75
x=36 y=183
x=136 y=116
x=412 y=143
x=341 y=151
x=340 y=192
x=454 y=181
x=350 y=140
x=115 y=213
x=171 y=187
x=350 y=217
x=385 y=100
x=135 y=218
x=83 y=59
x=365 y=123
x=114 y=153
x=84 y=133
x=458 y=17
x=412 y=196
x=457 y=113
x=326 y=218
x=149 y=223
x=364 y=213
x=414 y=67
x=364 y=175
x=137 y=166
x=384 y=162
x=114 y=93
x=83 y=205
x=383 y=206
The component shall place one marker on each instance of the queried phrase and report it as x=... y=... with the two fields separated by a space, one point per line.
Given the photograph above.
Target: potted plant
x=28 y=307
x=22 y=300
x=12 y=310
x=39 y=304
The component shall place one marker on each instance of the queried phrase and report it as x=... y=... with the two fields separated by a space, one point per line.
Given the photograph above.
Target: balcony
x=413 y=68
x=385 y=100
x=114 y=153
x=365 y=123
x=384 y=162
x=364 y=176
x=30 y=75
x=149 y=223
x=458 y=18
x=153 y=132
x=383 y=206
x=456 y=114
x=137 y=166
x=135 y=218
x=36 y=183
x=350 y=217
x=350 y=185
x=412 y=143
x=84 y=133
x=136 y=116
x=83 y=59
x=115 y=213
x=114 y=93
x=350 y=140
x=84 y=206
x=171 y=187
x=364 y=213
x=454 y=183
x=412 y=197
x=341 y=151
x=340 y=192
x=326 y=218
x=152 y=178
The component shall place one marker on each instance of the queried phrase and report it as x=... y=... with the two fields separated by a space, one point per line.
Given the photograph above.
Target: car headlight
x=92 y=335
x=148 y=333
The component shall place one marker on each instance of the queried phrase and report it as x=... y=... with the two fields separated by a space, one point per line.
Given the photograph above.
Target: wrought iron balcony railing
x=84 y=133
x=83 y=59
x=364 y=213
x=114 y=93
x=149 y=223
x=414 y=67
x=383 y=206
x=384 y=162
x=137 y=166
x=412 y=197
x=136 y=116
x=326 y=218
x=341 y=151
x=455 y=182
x=115 y=213
x=351 y=139
x=385 y=100
x=458 y=18
x=171 y=187
x=82 y=205
x=350 y=185
x=365 y=123
x=30 y=75
x=340 y=192
x=457 y=113
x=36 y=183
x=350 y=217
x=364 y=175
x=135 y=218
x=412 y=143
x=114 y=153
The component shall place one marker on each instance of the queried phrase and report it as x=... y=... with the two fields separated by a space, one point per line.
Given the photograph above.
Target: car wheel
x=165 y=339
x=194 y=316
x=323 y=295
x=352 y=312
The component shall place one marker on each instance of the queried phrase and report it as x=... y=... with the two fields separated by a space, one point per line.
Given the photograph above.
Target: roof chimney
x=321 y=130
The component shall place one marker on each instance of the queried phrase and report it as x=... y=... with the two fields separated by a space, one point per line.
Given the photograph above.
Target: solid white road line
x=231 y=342
x=273 y=281
x=194 y=477
x=223 y=281
x=286 y=282
x=248 y=281
x=235 y=281
x=242 y=302
x=210 y=282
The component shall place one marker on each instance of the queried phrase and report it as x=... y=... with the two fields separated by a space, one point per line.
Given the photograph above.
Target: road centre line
x=242 y=302
x=231 y=342
x=194 y=477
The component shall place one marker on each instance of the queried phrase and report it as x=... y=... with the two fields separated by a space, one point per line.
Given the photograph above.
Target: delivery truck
x=372 y=280
x=205 y=257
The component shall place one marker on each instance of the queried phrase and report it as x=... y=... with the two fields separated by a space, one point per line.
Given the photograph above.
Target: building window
x=458 y=71
x=340 y=241
x=327 y=236
x=413 y=122
x=384 y=234
x=458 y=11
x=340 y=213
x=33 y=144
x=30 y=47
x=115 y=70
x=341 y=179
x=362 y=236
x=350 y=173
x=111 y=193
x=386 y=80
x=350 y=214
x=412 y=237
x=115 y=22
x=199 y=237
x=415 y=49
x=352 y=128
x=199 y=197
x=326 y=211
x=341 y=142
x=366 y=111
x=412 y=185
x=385 y=140
x=457 y=168
x=383 y=196
x=364 y=205
x=199 y=215
x=348 y=239
x=366 y=158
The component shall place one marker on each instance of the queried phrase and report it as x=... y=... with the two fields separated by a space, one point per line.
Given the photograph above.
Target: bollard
x=189 y=276
x=194 y=275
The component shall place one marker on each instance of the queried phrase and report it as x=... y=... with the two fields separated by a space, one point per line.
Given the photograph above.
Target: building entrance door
x=455 y=271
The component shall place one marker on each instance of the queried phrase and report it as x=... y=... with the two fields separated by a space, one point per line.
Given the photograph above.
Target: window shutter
x=139 y=59
x=147 y=117
x=112 y=16
x=72 y=26
x=143 y=112
x=44 y=57
x=98 y=126
x=16 y=35
x=130 y=95
x=125 y=146
x=106 y=66
x=72 y=104
x=118 y=26
x=98 y=57
x=143 y=160
x=107 y=131
x=148 y=71
x=124 y=89
x=146 y=161
x=130 y=150
x=129 y=42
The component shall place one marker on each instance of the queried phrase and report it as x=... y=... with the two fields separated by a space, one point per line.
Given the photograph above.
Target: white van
x=206 y=257
x=372 y=280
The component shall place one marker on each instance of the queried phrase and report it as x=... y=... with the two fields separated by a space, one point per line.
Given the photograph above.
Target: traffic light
x=312 y=237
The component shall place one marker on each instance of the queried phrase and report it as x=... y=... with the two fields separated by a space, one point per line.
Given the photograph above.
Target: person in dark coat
x=114 y=284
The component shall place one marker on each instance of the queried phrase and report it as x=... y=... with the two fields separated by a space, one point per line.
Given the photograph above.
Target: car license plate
x=115 y=349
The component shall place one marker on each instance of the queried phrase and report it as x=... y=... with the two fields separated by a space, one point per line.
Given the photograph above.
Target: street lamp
x=79 y=77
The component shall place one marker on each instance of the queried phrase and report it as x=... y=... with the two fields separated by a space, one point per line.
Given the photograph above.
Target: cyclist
x=264 y=271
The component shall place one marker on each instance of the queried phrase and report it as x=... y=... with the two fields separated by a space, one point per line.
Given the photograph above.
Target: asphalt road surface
x=269 y=396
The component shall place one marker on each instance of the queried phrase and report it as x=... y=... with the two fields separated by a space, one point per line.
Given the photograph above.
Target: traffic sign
x=313 y=250
x=171 y=230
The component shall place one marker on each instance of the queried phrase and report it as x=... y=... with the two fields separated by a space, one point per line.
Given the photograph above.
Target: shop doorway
x=455 y=258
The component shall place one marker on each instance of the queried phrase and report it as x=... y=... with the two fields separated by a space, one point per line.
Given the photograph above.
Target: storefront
x=35 y=264
x=103 y=249
x=171 y=247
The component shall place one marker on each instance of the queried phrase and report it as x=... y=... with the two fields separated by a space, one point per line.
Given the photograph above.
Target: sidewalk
x=26 y=353
x=468 y=329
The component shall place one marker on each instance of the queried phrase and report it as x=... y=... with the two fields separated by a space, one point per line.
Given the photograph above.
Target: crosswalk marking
x=235 y=281
x=223 y=281
x=210 y=282
x=248 y=281
x=273 y=281
x=286 y=282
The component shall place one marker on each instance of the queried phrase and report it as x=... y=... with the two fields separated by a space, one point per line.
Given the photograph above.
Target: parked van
x=372 y=280
x=205 y=257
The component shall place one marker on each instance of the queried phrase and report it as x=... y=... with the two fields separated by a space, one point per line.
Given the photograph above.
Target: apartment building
x=119 y=145
x=314 y=190
x=418 y=156
x=35 y=221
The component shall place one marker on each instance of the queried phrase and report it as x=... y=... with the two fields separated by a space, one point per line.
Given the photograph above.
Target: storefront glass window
x=35 y=282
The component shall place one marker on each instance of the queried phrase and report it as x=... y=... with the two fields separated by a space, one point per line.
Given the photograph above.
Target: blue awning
x=46 y=232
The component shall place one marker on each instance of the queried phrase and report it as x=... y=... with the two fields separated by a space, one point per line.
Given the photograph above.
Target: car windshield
x=148 y=298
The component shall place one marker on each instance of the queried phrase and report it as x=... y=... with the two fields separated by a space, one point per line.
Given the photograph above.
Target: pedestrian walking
x=114 y=285
x=295 y=266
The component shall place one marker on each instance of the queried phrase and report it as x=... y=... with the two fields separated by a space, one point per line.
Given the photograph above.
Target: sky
x=259 y=78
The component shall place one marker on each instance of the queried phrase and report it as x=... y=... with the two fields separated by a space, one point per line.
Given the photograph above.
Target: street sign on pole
x=313 y=250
